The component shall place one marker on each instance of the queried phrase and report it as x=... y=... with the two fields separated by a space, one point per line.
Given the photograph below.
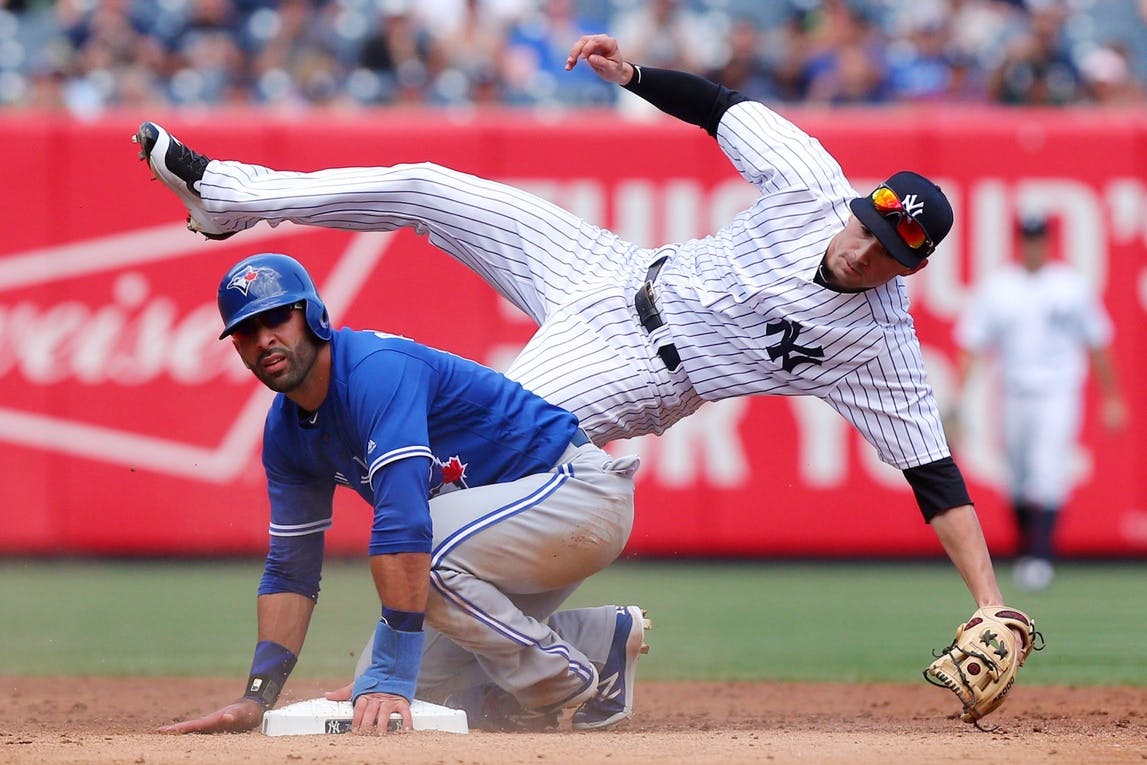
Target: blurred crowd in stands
x=87 y=56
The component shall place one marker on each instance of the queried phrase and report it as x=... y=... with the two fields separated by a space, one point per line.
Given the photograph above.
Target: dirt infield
x=98 y=721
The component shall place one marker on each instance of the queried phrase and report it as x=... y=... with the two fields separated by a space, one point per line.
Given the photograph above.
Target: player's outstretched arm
x=686 y=96
x=962 y=537
x=283 y=620
x=243 y=715
x=603 y=55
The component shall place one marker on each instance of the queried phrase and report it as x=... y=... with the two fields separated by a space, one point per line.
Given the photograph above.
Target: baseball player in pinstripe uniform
x=460 y=466
x=801 y=294
x=1041 y=322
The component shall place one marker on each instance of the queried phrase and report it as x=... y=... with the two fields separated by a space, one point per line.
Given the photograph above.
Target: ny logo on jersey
x=913 y=205
x=788 y=349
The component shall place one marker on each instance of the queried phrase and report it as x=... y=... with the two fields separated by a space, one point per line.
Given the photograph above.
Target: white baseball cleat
x=181 y=170
x=614 y=699
x=1033 y=574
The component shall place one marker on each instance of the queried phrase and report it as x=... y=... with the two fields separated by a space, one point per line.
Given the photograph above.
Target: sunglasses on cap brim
x=910 y=230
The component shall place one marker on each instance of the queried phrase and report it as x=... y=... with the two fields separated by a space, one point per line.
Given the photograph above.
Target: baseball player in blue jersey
x=460 y=465
x=801 y=294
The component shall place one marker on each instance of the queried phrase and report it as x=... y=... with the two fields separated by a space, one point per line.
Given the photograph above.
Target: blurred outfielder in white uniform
x=801 y=294
x=1042 y=322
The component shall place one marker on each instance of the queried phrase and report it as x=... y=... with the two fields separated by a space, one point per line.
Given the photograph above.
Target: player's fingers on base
x=361 y=711
x=375 y=716
x=374 y=721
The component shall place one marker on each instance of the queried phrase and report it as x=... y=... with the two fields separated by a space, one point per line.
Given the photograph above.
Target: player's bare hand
x=603 y=55
x=372 y=713
x=340 y=694
x=243 y=715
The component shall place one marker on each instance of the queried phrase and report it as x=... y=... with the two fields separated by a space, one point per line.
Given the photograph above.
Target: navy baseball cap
x=910 y=221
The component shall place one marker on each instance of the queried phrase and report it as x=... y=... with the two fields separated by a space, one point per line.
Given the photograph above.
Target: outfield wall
x=128 y=429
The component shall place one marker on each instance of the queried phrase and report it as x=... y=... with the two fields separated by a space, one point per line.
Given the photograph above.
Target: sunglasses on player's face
x=271 y=318
x=891 y=208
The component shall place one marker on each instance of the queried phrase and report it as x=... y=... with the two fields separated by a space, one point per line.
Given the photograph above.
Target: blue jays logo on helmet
x=243 y=281
x=267 y=281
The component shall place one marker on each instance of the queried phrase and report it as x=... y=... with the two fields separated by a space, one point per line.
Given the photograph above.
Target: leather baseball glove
x=980 y=665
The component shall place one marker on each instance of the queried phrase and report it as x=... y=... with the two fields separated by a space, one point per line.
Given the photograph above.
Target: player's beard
x=298 y=362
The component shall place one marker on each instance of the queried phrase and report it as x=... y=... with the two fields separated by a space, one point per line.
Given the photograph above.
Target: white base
x=314 y=716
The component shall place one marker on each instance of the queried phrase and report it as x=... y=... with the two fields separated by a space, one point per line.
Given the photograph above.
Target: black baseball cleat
x=181 y=170
x=490 y=708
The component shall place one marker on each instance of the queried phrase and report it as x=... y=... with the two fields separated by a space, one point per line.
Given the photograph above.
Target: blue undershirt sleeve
x=300 y=514
x=294 y=564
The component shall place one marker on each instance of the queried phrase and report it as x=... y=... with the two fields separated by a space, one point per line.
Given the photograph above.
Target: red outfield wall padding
x=128 y=429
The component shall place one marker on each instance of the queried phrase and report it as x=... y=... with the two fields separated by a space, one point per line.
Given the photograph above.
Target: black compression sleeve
x=687 y=97
x=938 y=486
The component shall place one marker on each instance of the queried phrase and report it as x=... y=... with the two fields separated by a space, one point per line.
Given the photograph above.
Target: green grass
x=712 y=621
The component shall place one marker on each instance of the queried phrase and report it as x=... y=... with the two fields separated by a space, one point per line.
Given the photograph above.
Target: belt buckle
x=646 y=310
x=650 y=317
x=652 y=311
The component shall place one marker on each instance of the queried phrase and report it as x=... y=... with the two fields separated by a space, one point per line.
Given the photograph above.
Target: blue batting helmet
x=269 y=280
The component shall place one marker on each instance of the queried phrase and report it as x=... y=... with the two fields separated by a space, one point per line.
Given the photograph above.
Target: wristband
x=394 y=661
x=403 y=621
x=269 y=670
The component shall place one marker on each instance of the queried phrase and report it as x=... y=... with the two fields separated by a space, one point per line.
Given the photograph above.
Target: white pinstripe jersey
x=741 y=305
x=734 y=300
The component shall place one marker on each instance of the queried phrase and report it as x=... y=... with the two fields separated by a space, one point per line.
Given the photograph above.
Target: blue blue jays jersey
x=401 y=423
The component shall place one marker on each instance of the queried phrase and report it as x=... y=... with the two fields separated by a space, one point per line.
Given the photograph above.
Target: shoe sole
x=635 y=646
x=1033 y=575
x=153 y=151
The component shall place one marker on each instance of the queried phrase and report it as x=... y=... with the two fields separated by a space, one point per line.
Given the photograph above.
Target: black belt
x=649 y=316
x=579 y=438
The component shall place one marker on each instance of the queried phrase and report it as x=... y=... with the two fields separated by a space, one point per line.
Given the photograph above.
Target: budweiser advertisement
x=128 y=428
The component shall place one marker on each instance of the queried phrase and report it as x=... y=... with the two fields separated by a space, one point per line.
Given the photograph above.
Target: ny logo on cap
x=913 y=205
